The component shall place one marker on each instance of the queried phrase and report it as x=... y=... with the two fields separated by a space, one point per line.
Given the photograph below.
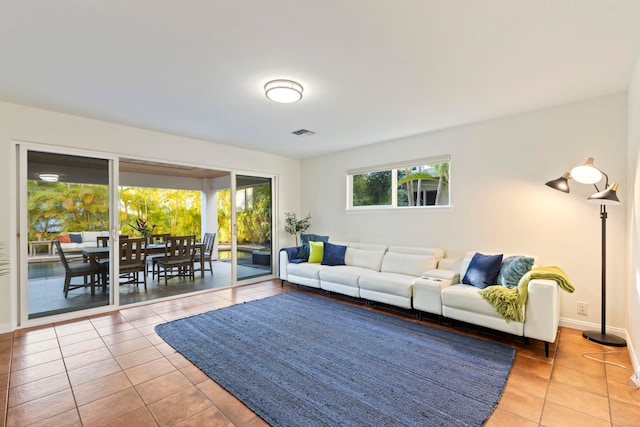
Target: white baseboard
x=633 y=355
x=6 y=328
x=588 y=326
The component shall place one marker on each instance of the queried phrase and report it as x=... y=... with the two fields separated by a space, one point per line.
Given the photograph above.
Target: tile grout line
x=553 y=365
x=6 y=403
x=66 y=371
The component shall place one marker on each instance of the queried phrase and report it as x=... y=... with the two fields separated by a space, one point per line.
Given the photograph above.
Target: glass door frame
x=234 y=229
x=22 y=149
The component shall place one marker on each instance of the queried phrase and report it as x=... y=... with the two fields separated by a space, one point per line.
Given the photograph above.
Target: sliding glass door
x=65 y=210
x=72 y=213
x=253 y=226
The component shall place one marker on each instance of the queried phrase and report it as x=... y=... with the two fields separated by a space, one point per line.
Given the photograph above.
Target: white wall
x=19 y=123
x=633 y=193
x=500 y=202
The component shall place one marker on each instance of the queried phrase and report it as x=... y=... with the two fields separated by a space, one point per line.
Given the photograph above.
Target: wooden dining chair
x=103 y=241
x=178 y=258
x=90 y=272
x=156 y=239
x=208 y=241
x=132 y=261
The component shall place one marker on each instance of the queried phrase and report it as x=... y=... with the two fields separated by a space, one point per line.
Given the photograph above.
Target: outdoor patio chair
x=103 y=241
x=132 y=261
x=90 y=272
x=156 y=239
x=208 y=240
x=178 y=258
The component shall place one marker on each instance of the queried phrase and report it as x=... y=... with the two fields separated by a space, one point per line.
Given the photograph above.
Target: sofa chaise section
x=541 y=311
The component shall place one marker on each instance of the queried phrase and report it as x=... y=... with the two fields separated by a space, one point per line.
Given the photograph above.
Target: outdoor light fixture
x=590 y=174
x=49 y=177
x=283 y=91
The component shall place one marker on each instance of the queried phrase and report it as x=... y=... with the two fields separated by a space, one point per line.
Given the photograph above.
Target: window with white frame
x=411 y=184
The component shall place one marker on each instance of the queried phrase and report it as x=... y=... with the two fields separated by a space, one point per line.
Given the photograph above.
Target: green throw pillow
x=303 y=249
x=316 y=251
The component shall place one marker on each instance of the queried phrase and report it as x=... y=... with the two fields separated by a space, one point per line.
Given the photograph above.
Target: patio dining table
x=98 y=253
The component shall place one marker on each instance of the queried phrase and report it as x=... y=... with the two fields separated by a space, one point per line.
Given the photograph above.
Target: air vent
x=303 y=132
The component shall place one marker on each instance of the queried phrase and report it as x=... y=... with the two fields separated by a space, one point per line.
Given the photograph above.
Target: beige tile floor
x=114 y=370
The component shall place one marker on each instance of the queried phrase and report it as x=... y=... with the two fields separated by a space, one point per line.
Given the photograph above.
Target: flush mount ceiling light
x=49 y=177
x=283 y=91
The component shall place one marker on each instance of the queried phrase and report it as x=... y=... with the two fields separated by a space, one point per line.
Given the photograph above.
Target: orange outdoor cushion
x=63 y=238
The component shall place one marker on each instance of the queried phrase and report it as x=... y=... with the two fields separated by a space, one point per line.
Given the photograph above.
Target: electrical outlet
x=636 y=378
x=583 y=308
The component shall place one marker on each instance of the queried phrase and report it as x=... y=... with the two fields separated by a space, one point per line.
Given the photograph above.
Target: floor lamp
x=590 y=174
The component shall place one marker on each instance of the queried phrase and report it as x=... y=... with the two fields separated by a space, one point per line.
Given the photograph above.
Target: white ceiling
x=372 y=70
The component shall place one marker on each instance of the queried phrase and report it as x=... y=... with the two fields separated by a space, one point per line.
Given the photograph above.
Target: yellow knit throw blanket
x=509 y=302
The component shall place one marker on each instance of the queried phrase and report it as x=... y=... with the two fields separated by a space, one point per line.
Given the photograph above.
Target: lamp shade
x=587 y=173
x=283 y=91
x=560 y=184
x=606 y=197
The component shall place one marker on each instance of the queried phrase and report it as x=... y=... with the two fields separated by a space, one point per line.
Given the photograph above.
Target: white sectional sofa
x=422 y=279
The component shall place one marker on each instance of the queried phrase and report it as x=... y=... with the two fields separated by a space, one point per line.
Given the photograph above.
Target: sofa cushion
x=371 y=259
x=413 y=265
x=304 y=249
x=92 y=236
x=368 y=246
x=418 y=250
x=482 y=270
x=75 y=237
x=390 y=283
x=316 y=250
x=333 y=254
x=304 y=269
x=342 y=274
x=512 y=270
x=467 y=298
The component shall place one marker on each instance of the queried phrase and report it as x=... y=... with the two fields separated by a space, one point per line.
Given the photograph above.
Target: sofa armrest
x=542 y=310
x=286 y=254
x=427 y=293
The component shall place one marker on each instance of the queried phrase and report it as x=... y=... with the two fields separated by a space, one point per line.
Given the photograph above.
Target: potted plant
x=295 y=226
x=143 y=227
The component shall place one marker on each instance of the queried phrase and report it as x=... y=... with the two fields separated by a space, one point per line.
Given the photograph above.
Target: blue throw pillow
x=333 y=254
x=76 y=237
x=512 y=270
x=482 y=270
x=303 y=251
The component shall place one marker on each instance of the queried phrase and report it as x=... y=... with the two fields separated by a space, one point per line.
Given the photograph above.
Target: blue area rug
x=301 y=360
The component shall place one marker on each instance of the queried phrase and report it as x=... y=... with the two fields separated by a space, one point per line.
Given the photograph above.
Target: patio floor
x=46 y=297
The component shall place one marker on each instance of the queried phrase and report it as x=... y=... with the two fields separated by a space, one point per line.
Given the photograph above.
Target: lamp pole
x=602 y=337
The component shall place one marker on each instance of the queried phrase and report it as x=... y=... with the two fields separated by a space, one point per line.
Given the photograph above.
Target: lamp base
x=604 y=339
